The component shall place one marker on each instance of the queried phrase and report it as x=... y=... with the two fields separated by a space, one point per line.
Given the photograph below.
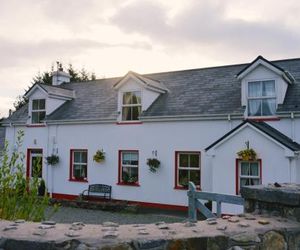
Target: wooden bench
x=97 y=191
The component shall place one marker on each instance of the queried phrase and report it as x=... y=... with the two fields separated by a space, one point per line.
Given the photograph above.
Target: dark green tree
x=45 y=77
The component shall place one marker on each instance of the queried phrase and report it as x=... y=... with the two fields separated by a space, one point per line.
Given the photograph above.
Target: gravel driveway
x=88 y=216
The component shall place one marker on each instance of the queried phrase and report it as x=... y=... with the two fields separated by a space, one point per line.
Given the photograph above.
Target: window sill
x=35 y=125
x=129 y=123
x=185 y=188
x=78 y=180
x=128 y=184
x=262 y=118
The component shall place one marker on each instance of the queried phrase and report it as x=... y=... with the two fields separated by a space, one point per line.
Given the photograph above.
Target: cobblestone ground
x=88 y=216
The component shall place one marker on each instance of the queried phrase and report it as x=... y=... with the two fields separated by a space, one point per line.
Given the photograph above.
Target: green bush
x=18 y=195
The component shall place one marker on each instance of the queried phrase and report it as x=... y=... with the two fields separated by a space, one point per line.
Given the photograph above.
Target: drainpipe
x=229 y=122
x=292 y=126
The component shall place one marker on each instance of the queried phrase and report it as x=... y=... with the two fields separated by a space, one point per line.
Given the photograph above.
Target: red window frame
x=71 y=177
x=237 y=173
x=120 y=182
x=177 y=186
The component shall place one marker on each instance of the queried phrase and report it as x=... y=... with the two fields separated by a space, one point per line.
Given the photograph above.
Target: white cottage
x=193 y=121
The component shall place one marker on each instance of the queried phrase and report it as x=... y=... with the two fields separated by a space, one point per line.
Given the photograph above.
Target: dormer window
x=38 y=111
x=261 y=98
x=131 y=106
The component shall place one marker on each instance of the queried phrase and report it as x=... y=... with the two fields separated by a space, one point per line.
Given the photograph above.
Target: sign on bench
x=98 y=191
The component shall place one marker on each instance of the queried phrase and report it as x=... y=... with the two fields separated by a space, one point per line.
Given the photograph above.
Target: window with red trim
x=188 y=168
x=129 y=167
x=249 y=173
x=78 y=168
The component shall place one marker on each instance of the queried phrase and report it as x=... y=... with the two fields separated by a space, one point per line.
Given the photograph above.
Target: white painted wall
x=217 y=174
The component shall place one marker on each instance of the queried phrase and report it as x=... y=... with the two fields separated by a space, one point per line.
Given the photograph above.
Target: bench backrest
x=99 y=188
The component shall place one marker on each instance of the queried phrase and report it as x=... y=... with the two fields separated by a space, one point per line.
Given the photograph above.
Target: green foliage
x=99 y=156
x=247 y=154
x=19 y=196
x=153 y=164
x=45 y=77
x=52 y=160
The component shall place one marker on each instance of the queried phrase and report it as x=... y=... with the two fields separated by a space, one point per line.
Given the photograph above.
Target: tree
x=45 y=77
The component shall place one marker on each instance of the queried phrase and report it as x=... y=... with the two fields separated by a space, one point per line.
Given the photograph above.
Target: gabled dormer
x=135 y=94
x=263 y=86
x=43 y=100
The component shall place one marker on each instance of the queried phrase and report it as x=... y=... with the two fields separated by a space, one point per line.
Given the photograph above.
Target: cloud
x=205 y=25
x=16 y=52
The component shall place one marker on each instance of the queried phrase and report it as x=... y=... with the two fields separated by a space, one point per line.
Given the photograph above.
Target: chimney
x=59 y=76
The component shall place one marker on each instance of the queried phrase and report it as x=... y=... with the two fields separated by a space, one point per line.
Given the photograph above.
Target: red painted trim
x=266 y=119
x=120 y=182
x=36 y=126
x=176 y=186
x=64 y=196
x=129 y=123
x=237 y=175
x=142 y=204
x=71 y=178
x=28 y=161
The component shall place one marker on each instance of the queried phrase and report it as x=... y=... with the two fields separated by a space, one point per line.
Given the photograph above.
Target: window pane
x=136 y=97
x=195 y=177
x=127 y=98
x=79 y=171
x=254 y=182
x=268 y=106
x=126 y=158
x=129 y=174
x=183 y=160
x=42 y=116
x=134 y=159
x=135 y=111
x=83 y=157
x=77 y=157
x=194 y=161
x=244 y=168
x=35 y=104
x=268 y=88
x=35 y=117
x=244 y=182
x=254 y=107
x=42 y=103
x=254 y=169
x=183 y=177
x=126 y=113
x=254 y=89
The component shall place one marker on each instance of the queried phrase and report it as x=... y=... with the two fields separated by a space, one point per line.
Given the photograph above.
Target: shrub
x=52 y=160
x=153 y=164
x=18 y=195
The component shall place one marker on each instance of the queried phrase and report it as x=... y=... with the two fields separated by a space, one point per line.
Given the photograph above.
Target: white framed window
x=79 y=163
x=249 y=173
x=129 y=167
x=131 y=105
x=188 y=168
x=38 y=111
x=261 y=98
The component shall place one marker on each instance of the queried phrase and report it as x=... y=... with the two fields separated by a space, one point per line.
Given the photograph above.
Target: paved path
x=69 y=215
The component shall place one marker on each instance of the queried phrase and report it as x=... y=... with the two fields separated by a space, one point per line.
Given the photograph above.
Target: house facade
x=193 y=121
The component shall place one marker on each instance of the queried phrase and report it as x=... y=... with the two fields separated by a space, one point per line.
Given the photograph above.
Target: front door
x=34 y=163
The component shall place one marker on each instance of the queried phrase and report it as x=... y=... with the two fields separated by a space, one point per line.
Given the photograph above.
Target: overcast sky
x=111 y=37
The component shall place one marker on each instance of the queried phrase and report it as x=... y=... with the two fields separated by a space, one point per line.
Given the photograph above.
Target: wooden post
x=219 y=209
x=192 y=202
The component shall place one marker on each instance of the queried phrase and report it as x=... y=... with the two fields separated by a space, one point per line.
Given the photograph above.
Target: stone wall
x=274 y=199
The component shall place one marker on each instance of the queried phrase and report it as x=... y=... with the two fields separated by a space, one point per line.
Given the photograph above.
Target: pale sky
x=111 y=37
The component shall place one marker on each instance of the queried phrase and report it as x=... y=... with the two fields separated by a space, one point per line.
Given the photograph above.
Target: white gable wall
x=263 y=73
x=148 y=96
x=275 y=165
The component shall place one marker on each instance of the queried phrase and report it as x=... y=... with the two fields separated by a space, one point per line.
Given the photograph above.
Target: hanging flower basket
x=153 y=164
x=247 y=154
x=52 y=160
x=99 y=156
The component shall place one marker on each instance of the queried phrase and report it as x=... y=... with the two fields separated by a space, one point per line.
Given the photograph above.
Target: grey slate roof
x=2 y=137
x=206 y=91
x=268 y=130
x=58 y=91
